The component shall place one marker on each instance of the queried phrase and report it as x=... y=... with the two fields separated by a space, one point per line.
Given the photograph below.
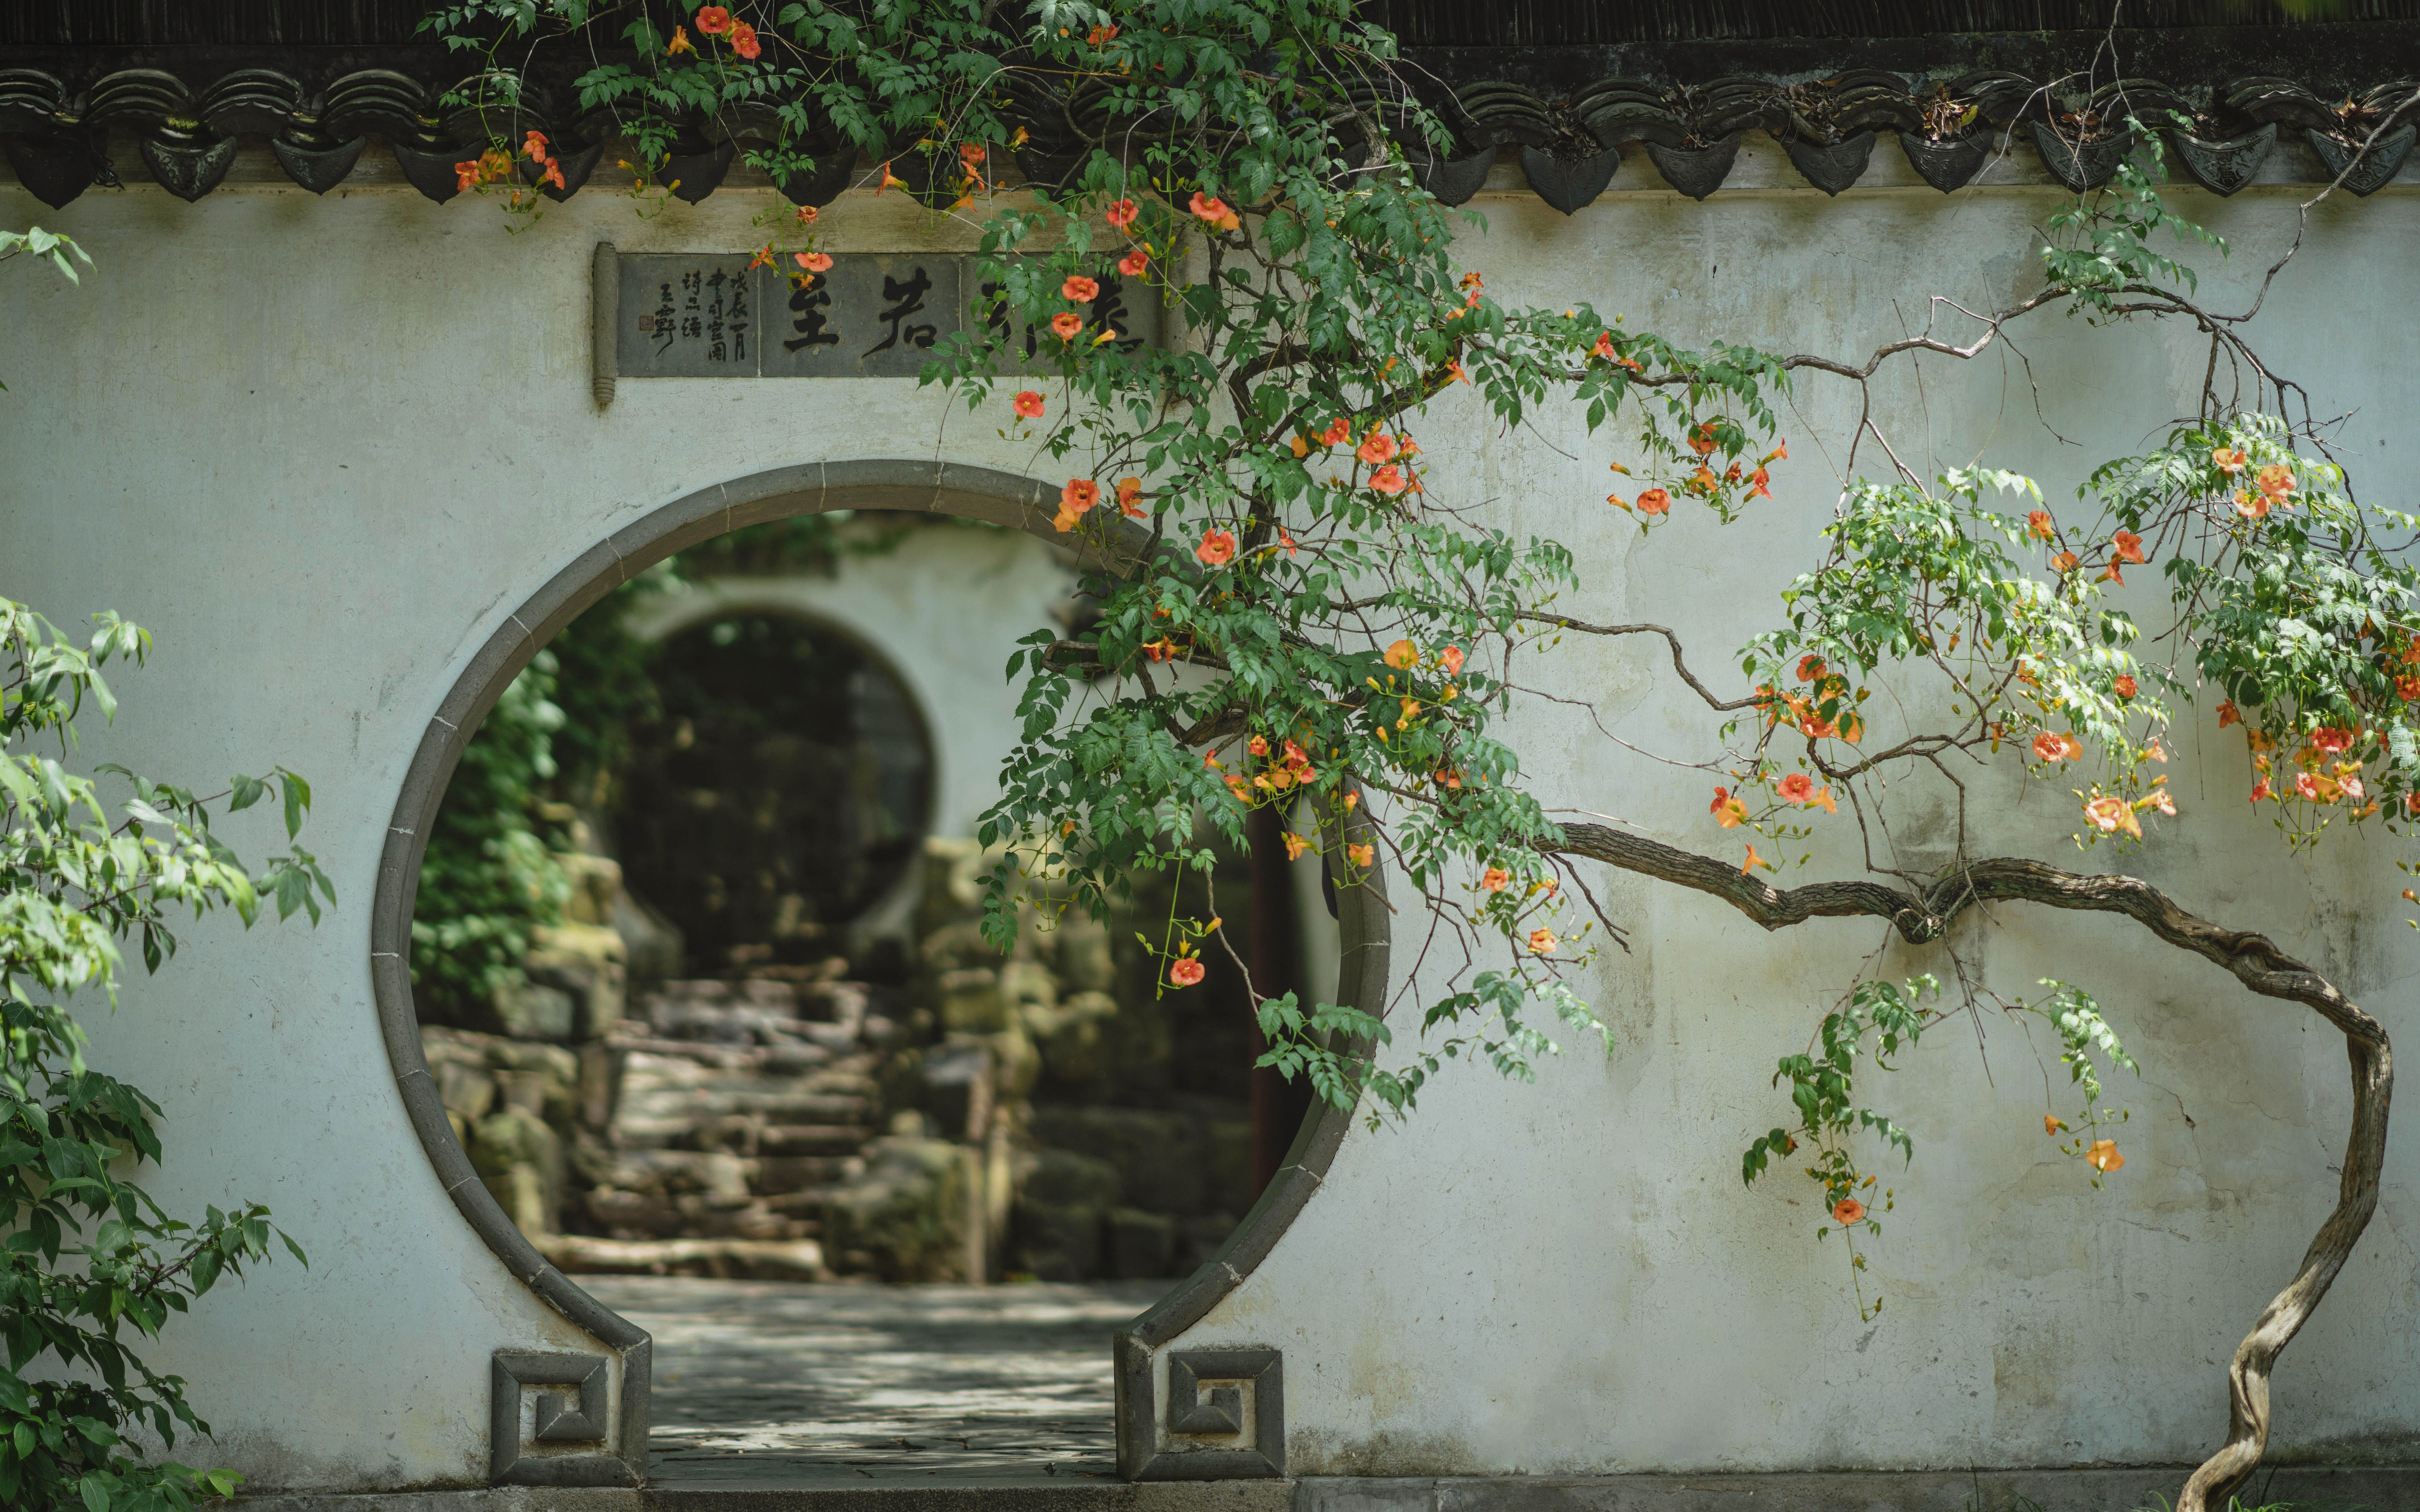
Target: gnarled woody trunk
x=2255 y=962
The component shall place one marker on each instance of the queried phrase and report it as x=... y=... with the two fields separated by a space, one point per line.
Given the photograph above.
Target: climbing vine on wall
x=1313 y=612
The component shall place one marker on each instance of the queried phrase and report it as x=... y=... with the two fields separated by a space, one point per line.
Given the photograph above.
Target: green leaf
x=297 y=798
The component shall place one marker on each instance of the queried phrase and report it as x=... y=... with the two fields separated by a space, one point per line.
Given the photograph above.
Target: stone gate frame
x=577 y=1445
x=736 y=595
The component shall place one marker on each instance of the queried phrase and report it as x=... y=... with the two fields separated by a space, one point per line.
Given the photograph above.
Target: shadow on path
x=784 y=1383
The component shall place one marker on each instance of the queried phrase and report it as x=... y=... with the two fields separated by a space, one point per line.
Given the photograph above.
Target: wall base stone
x=1030 y=1494
x=484 y=1499
x=2312 y=1489
x=2308 y=1488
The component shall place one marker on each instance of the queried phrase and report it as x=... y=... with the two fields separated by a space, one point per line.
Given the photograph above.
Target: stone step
x=761 y=1072
x=711 y=991
x=643 y=1075
x=813 y=1139
x=847 y=1101
x=647 y=1082
x=801 y=1055
x=694 y=1106
x=724 y=1026
x=660 y=1215
x=792 y=1259
x=802 y=1205
x=780 y=1175
x=679 y=1171
x=684 y=1134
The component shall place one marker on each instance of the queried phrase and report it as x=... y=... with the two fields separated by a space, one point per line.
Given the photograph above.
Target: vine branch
x=2253 y=959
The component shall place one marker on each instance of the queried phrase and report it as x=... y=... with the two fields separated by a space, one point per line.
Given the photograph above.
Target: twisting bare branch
x=2251 y=958
x=1564 y=622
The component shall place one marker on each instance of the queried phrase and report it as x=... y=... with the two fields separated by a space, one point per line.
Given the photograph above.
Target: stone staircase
x=1048 y=1113
x=743 y=1108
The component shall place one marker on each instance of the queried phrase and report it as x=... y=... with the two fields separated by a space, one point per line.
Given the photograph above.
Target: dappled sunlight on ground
x=766 y=1381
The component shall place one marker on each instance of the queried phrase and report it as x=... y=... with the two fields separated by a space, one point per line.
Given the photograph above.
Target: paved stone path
x=797 y=1384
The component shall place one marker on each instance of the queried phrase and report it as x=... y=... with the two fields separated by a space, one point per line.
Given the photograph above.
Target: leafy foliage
x=91 y=1264
x=487 y=879
x=2106 y=247
x=1822 y=1083
x=829 y=78
x=60 y=252
x=2081 y=1030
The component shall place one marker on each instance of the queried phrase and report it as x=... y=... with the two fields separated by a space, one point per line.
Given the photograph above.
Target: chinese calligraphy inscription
x=873 y=314
x=686 y=317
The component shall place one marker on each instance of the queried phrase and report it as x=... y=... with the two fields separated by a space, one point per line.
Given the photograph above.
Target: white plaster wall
x=322 y=446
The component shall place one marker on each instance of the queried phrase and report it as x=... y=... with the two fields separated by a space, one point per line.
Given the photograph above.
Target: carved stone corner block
x=570 y=1409
x=1223 y=1419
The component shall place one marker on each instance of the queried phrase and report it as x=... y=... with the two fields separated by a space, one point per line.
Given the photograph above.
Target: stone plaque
x=873 y=314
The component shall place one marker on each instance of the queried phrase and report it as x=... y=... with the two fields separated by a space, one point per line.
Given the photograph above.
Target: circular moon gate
x=923 y=487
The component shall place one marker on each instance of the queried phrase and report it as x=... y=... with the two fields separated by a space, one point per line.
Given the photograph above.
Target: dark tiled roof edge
x=54 y=124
